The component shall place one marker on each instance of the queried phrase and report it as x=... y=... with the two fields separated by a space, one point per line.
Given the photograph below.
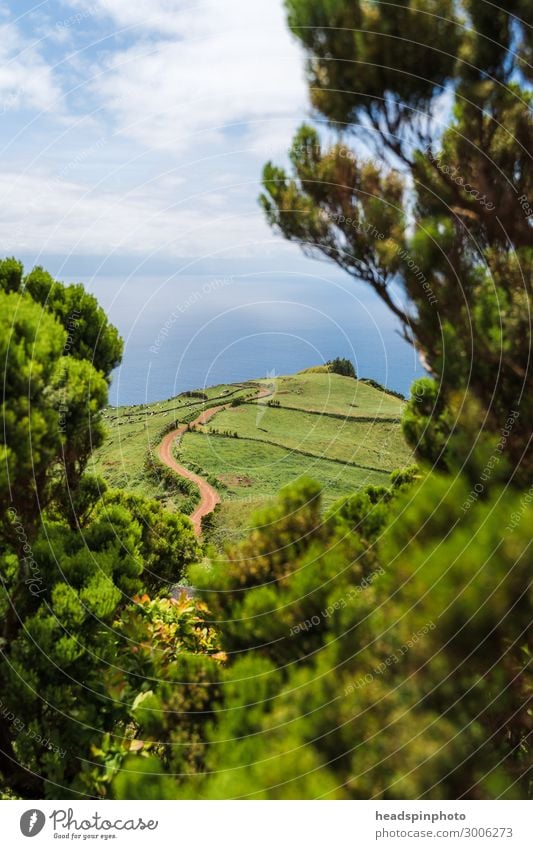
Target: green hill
x=126 y=460
x=341 y=431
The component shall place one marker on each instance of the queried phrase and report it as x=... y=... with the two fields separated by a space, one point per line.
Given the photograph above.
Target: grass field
x=373 y=444
x=254 y=470
x=331 y=393
x=133 y=431
x=340 y=431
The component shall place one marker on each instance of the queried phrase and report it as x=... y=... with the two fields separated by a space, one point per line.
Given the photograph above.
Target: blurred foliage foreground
x=375 y=652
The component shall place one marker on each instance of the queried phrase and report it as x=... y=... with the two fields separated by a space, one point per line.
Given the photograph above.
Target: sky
x=133 y=136
x=135 y=131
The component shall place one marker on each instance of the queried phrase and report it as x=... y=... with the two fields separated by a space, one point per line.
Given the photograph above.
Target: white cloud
x=26 y=80
x=161 y=150
x=62 y=216
x=177 y=17
x=196 y=71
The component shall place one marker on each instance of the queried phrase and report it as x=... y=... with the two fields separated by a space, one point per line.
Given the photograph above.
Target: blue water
x=190 y=331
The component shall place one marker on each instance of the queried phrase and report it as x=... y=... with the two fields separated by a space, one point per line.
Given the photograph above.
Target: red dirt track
x=209 y=497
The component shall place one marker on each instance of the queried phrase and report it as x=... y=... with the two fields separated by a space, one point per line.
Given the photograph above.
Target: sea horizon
x=186 y=332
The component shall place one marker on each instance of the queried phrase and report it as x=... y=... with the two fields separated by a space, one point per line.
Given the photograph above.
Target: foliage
x=30 y=366
x=372 y=657
x=168 y=685
x=444 y=214
x=73 y=555
x=169 y=485
x=168 y=543
x=340 y=365
x=377 y=385
x=90 y=336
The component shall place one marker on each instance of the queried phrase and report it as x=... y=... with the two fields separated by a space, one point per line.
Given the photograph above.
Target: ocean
x=186 y=332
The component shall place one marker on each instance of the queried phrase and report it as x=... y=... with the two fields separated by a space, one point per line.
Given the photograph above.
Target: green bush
x=341 y=366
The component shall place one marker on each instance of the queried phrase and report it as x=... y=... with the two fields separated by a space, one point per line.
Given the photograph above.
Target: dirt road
x=209 y=497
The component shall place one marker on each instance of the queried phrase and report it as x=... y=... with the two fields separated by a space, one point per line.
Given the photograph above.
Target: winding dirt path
x=209 y=497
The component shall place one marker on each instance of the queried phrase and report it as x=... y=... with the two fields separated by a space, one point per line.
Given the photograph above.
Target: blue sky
x=139 y=129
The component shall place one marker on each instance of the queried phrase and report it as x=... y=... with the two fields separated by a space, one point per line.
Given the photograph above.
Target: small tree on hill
x=343 y=366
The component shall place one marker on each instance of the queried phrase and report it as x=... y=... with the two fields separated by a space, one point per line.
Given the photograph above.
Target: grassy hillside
x=332 y=393
x=126 y=458
x=343 y=432
x=373 y=444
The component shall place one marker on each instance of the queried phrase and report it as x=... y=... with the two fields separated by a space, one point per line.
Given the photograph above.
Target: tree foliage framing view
x=377 y=649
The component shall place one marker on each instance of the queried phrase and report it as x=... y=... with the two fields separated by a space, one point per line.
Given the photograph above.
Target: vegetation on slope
x=368 y=442
x=305 y=425
x=309 y=424
x=127 y=458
